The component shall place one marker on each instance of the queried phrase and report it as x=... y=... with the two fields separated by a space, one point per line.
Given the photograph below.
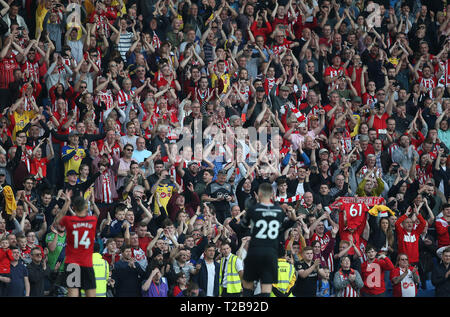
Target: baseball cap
x=71 y=172
x=285 y=88
x=357 y=99
x=222 y=171
x=323 y=151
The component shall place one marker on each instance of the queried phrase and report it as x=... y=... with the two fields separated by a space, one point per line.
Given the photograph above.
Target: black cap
x=71 y=172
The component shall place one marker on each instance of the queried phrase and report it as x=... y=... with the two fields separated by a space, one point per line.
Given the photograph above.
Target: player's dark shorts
x=85 y=280
x=261 y=264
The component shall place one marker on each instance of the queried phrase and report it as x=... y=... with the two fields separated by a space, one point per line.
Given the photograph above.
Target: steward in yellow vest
x=286 y=279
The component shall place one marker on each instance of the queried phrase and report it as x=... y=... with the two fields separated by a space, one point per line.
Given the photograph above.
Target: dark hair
x=191 y=286
x=96 y=247
x=79 y=203
x=124 y=247
x=120 y=207
x=167 y=222
x=371 y=247
x=161 y=162
x=345 y=256
x=36 y=248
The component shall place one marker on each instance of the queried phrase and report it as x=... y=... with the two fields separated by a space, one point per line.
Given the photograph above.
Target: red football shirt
x=355 y=213
x=80 y=239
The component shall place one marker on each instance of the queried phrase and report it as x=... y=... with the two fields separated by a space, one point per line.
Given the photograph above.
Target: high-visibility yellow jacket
x=286 y=280
x=233 y=279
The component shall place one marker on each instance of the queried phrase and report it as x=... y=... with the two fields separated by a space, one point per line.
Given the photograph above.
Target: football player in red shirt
x=79 y=246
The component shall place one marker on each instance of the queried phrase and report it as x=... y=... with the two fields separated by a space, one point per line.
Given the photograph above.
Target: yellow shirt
x=164 y=192
x=21 y=120
x=225 y=78
x=75 y=161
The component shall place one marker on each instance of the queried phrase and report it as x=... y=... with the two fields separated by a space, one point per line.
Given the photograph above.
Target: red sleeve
x=10 y=255
x=386 y=264
x=327 y=72
x=421 y=226
x=440 y=229
x=394 y=273
x=398 y=223
x=269 y=28
x=253 y=27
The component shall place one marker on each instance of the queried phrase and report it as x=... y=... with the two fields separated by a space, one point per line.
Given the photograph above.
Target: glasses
x=403 y=259
x=83 y=87
x=129 y=149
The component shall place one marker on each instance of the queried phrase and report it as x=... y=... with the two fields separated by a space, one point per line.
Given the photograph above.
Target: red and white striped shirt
x=106 y=97
x=428 y=83
x=123 y=97
x=324 y=240
x=349 y=291
x=31 y=70
x=106 y=188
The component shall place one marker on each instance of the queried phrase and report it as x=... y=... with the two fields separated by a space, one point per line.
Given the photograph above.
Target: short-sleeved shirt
x=17 y=286
x=216 y=190
x=80 y=239
x=305 y=287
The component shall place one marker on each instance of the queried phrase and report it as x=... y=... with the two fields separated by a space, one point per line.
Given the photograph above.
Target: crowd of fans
x=353 y=97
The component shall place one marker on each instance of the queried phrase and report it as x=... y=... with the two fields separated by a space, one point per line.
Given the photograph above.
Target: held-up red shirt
x=5 y=260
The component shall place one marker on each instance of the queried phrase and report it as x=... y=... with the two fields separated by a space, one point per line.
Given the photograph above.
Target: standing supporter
x=373 y=271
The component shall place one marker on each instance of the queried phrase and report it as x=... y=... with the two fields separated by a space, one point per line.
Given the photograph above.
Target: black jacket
x=37 y=276
x=439 y=281
x=128 y=281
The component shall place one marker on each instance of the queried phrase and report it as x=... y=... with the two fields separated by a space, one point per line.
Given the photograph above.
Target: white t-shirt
x=407 y=284
x=300 y=189
x=211 y=275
